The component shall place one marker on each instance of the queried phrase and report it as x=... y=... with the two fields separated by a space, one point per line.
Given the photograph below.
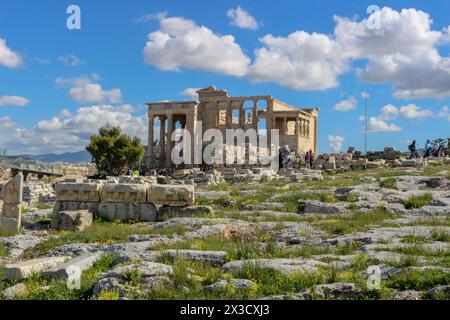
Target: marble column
x=162 y=135
x=151 y=121
x=169 y=142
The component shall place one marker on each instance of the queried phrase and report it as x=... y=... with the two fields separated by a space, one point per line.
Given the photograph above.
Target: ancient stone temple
x=216 y=109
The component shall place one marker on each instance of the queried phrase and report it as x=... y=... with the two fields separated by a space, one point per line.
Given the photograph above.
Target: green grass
x=440 y=235
x=415 y=239
x=414 y=202
x=419 y=280
x=388 y=183
x=98 y=232
x=291 y=201
x=358 y=221
x=272 y=282
x=58 y=290
x=189 y=281
x=3 y=251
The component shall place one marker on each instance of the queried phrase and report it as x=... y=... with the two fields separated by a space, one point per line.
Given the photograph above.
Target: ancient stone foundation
x=10 y=218
x=121 y=201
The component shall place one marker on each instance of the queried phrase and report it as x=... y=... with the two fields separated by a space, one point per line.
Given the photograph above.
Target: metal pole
x=365 y=129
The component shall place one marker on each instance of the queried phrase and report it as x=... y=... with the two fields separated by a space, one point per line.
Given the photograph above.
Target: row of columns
x=302 y=127
x=165 y=142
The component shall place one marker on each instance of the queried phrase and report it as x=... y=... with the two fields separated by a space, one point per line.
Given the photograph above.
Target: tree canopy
x=112 y=151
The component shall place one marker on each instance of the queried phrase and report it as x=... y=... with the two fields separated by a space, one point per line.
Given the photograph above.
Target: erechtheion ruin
x=215 y=109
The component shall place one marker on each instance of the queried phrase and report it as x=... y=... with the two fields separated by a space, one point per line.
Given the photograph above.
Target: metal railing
x=32 y=166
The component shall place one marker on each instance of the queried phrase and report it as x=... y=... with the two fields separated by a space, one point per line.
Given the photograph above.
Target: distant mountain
x=70 y=157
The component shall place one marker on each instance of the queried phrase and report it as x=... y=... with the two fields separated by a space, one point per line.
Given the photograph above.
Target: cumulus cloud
x=389 y=112
x=190 y=92
x=346 y=105
x=84 y=89
x=376 y=124
x=180 y=43
x=300 y=61
x=8 y=58
x=242 y=19
x=13 y=101
x=71 y=60
x=69 y=131
x=335 y=142
x=411 y=111
x=404 y=53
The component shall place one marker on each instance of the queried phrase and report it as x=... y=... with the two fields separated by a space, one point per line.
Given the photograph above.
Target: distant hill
x=70 y=157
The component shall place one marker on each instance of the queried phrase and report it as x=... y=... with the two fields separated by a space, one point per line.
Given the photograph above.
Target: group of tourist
x=433 y=148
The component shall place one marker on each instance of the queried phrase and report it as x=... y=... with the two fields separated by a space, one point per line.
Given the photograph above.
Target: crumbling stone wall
x=121 y=201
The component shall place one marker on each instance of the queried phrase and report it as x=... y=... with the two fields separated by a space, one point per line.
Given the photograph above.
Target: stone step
x=62 y=271
x=26 y=269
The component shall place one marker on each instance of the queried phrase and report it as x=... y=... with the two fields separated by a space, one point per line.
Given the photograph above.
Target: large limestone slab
x=26 y=269
x=211 y=257
x=177 y=195
x=75 y=205
x=62 y=271
x=114 y=211
x=12 y=193
x=77 y=191
x=133 y=193
x=72 y=220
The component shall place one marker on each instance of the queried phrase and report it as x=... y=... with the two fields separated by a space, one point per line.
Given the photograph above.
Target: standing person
x=307 y=160
x=412 y=149
x=427 y=149
x=311 y=158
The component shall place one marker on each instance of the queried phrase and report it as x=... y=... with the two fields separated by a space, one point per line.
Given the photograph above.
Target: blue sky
x=57 y=85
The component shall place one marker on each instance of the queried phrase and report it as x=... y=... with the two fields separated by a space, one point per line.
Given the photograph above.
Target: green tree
x=112 y=151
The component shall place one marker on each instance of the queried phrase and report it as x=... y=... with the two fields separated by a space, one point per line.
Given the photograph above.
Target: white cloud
x=71 y=60
x=242 y=19
x=414 y=112
x=150 y=16
x=300 y=61
x=335 y=142
x=83 y=89
x=8 y=58
x=377 y=124
x=180 y=43
x=365 y=95
x=403 y=53
x=389 y=112
x=190 y=92
x=346 y=105
x=69 y=132
x=13 y=101
x=444 y=112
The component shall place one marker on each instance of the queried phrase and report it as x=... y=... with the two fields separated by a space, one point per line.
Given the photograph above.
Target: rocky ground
x=271 y=240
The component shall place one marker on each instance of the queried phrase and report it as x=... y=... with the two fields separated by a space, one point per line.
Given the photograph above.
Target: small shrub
x=3 y=250
x=414 y=202
x=108 y=295
x=388 y=183
x=419 y=280
x=440 y=235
